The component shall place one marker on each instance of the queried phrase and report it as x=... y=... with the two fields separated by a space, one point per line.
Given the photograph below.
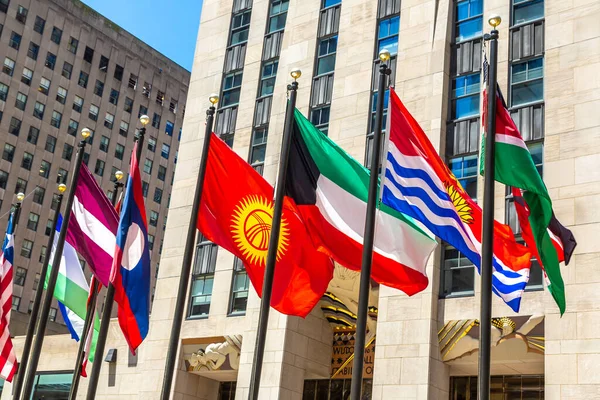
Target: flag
x=71 y=289
x=93 y=226
x=131 y=266
x=331 y=191
x=236 y=213
x=419 y=184
x=90 y=346
x=8 y=359
x=514 y=167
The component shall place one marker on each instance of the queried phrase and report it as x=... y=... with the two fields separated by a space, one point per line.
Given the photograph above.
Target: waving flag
x=8 y=359
x=93 y=226
x=131 y=266
x=419 y=184
x=72 y=289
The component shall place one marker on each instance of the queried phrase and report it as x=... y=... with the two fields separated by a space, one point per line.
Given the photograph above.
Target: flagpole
x=187 y=257
x=265 y=303
x=487 y=242
x=43 y=322
x=110 y=296
x=33 y=317
x=91 y=310
x=367 y=256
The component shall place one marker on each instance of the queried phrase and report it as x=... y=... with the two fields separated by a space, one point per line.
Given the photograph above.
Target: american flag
x=8 y=360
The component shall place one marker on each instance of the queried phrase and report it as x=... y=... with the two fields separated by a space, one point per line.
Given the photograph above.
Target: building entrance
x=505 y=387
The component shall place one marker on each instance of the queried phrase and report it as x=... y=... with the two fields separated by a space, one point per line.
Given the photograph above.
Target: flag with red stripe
x=8 y=359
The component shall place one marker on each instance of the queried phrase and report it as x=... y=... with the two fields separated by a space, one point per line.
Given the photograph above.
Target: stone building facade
x=65 y=68
x=425 y=347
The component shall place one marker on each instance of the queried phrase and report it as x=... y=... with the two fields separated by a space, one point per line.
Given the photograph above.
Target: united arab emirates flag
x=236 y=213
x=514 y=167
x=330 y=189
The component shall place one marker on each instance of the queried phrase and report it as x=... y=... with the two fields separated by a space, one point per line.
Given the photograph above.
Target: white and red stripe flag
x=8 y=359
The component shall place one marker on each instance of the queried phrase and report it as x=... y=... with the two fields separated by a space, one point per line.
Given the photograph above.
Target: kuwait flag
x=331 y=191
x=72 y=291
x=514 y=167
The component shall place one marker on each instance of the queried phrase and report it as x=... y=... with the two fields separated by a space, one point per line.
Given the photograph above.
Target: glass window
x=527 y=10
x=160 y=97
x=133 y=79
x=278 y=15
x=67 y=153
x=123 y=128
x=151 y=144
x=153 y=220
x=103 y=65
x=329 y=3
x=231 y=89
x=62 y=176
x=128 y=105
x=56 y=35
x=99 y=169
x=267 y=78
x=173 y=106
x=20 y=103
x=145 y=187
x=104 y=143
x=169 y=128
x=119 y=151
x=320 y=118
x=142 y=111
x=32 y=221
x=73 y=45
x=537 y=153
x=99 y=88
x=38 y=110
x=465 y=96
x=118 y=75
x=54 y=203
x=326 y=55
x=9 y=66
x=469 y=19
x=388 y=35
x=27 y=161
x=202 y=278
x=73 y=127
x=26 y=247
x=16 y=302
x=240 y=27
x=109 y=120
x=52 y=315
x=148 y=166
x=50 y=60
x=67 y=70
x=15 y=126
x=77 y=104
x=27 y=76
x=465 y=170
x=88 y=55
x=61 y=95
x=458 y=274
x=93 y=114
x=21 y=186
x=146 y=89
x=45 y=168
x=158 y=195
x=3 y=91
x=44 y=86
x=114 y=97
x=40 y=24
x=9 y=152
x=239 y=288
x=83 y=79
x=3 y=179
x=22 y=14
x=527 y=82
x=165 y=151
x=156 y=121
x=33 y=135
x=162 y=173
x=258 y=149
x=33 y=51
x=38 y=195
x=56 y=119
x=50 y=143
x=15 y=40
x=21 y=273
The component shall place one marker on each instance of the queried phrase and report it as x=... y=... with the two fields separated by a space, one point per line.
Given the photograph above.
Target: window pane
x=465 y=107
x=528 y=12
x=469 y=29
x=524 y=93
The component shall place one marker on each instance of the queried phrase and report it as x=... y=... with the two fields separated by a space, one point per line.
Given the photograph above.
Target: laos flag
x=131 y=266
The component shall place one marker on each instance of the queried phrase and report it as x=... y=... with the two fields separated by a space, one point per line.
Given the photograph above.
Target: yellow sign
x=342 y=359
x=251 y=227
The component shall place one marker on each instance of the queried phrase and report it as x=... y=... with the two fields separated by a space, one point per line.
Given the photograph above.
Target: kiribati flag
x=131 y=266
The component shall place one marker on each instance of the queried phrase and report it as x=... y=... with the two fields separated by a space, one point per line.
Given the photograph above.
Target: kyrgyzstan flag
x=236 y=213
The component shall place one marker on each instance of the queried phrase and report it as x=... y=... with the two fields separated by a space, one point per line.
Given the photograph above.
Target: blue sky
x=169 y=26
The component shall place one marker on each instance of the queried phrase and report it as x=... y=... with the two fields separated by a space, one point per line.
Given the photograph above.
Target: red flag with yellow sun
x=236 y=213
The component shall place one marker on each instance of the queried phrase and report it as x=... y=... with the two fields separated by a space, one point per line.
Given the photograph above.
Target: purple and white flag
x=93 y=226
